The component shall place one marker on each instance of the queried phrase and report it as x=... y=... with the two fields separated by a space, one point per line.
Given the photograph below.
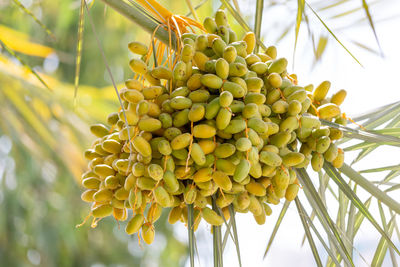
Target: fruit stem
x=191 y=233
x=135 y=15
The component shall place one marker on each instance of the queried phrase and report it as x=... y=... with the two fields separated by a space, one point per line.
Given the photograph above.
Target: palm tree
x=379 y=127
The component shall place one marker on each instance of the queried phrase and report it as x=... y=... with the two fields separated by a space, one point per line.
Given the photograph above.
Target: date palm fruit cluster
x=224 y=125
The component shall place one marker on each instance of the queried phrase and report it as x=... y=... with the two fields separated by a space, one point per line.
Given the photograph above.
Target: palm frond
x=369 y=187
x=322 y=42
x=12 y=53
x=382 y=169
x=331 y=5
x=217 y=241
x=333 y=35
x=323 y=186
x=321 y=211
x=367 y=147
x=235 y=233
x=359 y=217
x=192 y=10
x=308 y=234
x=374 y=112
x=228 y=228
x=197 y=7
x=226 y=235
x=231 y=224
x=20 y=42
x=29 y=13
x=284 y=33
x=387 y=115
x=29 y=123
x=300 y=10
x=236 y=4
x=391 y=252
x=350 y=223
x=310 y=33
x=307 y=222
x=371 y=23
x=136 y=15
x=369 y=136
x=190 y=227
x=336 y=177
x=276 y=227
x=79 y=45
x=383 y=245
x=258 y=20
x=366 y=47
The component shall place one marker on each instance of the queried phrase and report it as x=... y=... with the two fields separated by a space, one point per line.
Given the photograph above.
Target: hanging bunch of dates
x=220 y=124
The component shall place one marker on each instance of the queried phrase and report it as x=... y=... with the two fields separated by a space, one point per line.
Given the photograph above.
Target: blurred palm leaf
x=300 y=11
x=322 y=42
x=12 y=53
x=19 y=42
x=332 y=34
x=41 y=24
x=79 y=45
x=343 y=10
x=48 y=135
x=42 y=109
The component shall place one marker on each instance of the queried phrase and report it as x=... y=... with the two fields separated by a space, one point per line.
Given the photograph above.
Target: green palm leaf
x=258 y=20
x=137 y=16
x=300 y=10
x=217 y=241
x=277 y=225
x=376 y=112
x=235 y=233
x=29 y=13
x=323 y=215
x=79 y=45
x=308 y=234
x=334 y=36
x=309 y=223
x=383 y=245
x=368 y=136
x=11 y=52
x=382 y=169
x=336 y=177
x=371 y=22
x=369 y=187
x=191 y=233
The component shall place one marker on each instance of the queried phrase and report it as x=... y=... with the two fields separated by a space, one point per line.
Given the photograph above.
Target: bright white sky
x=368 y=87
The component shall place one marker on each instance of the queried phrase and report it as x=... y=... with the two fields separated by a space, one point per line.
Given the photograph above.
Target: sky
x=370 y=86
